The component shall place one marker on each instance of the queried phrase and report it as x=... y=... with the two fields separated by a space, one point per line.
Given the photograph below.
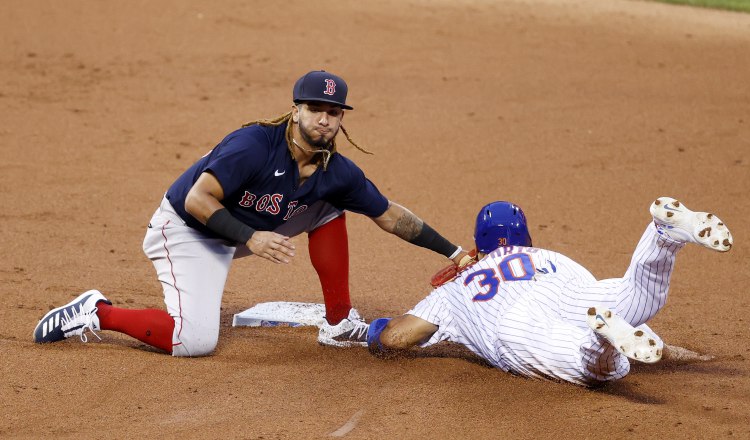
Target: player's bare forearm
x=406 y=331
x=404 y=224
x=204 y=198
x=400 y=222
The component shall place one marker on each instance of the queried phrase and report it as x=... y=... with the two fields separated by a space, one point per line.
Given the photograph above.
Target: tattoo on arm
x=408 y=226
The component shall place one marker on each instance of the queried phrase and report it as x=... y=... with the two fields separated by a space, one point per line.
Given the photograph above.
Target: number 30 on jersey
x=516 y=267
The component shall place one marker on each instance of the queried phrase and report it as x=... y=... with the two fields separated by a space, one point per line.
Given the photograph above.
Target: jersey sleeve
x=357 y=193
x=434 y=310
x=239 y=158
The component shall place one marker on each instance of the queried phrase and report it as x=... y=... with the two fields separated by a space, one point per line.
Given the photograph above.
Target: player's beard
x=320 y=142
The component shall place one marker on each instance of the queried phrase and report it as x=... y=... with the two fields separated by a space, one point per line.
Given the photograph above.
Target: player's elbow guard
x=373 y=337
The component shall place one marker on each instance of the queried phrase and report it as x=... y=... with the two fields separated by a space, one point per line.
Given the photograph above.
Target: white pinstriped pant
x=538 y=328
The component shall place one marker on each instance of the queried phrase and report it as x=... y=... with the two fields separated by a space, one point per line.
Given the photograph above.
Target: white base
x=281 y=314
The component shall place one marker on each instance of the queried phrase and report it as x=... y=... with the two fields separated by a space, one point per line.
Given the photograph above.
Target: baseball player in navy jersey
x=537 y=313
x=260 y=186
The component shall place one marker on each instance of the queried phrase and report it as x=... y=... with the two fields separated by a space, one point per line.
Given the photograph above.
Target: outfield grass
x=731 y=5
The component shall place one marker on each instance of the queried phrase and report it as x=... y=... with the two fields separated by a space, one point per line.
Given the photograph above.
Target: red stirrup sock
x=329 y=253
x=152 y=326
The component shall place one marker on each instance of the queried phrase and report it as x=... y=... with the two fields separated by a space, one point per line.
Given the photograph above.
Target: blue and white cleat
x=677 y=223
x=628 y=340
x=72 y=319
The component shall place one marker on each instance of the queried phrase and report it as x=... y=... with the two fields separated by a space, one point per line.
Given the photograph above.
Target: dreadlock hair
x=286 y=118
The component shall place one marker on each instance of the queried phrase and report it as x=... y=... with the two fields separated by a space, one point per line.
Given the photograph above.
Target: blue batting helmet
x=500 y=224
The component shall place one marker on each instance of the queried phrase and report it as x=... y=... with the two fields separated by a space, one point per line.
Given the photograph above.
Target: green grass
x=730 y=5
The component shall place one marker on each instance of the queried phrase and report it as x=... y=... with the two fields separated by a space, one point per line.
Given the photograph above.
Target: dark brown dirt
x=581 y=112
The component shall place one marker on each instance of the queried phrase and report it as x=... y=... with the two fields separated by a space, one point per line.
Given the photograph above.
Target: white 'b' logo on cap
x=330 y=87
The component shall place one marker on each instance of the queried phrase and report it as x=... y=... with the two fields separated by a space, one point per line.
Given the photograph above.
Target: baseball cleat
x=72 y=319
x=628 y=340
x=674 y=221
x=350 y=332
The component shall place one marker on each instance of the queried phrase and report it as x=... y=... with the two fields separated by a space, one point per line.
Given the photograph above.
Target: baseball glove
x=451 y=271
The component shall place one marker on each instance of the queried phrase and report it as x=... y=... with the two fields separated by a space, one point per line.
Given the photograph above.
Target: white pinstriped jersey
x=524 y=309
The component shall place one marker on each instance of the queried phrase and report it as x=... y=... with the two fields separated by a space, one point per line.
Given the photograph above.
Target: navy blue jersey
x=260 y=181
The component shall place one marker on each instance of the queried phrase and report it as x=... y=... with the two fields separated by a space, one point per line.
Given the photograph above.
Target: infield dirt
x=582 y=112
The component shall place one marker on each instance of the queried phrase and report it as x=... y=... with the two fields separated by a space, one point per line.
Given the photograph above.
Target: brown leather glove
x=451 y=271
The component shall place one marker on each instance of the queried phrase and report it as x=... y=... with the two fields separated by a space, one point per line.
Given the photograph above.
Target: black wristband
x=430 y=239
x=226 y=225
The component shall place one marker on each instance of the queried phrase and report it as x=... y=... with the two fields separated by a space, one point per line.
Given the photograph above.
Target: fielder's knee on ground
x=195 y=341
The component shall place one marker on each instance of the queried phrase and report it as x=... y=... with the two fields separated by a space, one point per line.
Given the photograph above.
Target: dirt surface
x=581 y=112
